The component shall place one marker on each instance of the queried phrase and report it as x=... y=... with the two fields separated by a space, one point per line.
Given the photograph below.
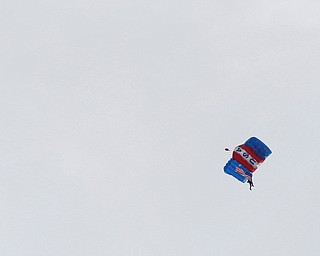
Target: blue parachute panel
x=258 y=147
x=233 y=165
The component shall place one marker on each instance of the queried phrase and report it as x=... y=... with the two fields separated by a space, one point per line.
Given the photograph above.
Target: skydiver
x=250 y=184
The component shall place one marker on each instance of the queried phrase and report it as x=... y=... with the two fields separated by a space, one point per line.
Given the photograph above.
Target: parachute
x=246 y=158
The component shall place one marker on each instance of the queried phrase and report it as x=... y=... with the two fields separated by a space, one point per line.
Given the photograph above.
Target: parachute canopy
x=246 y=158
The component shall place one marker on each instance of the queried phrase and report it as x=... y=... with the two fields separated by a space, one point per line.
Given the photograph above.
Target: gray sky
x=115 y=114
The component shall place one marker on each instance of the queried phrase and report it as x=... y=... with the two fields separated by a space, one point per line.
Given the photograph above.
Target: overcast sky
x=115 y=115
